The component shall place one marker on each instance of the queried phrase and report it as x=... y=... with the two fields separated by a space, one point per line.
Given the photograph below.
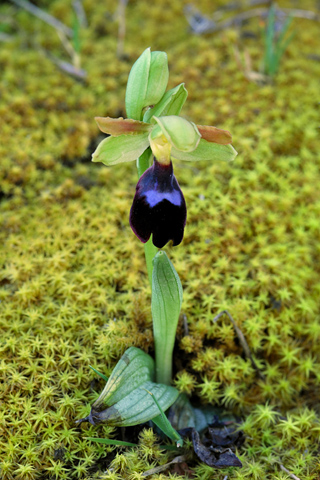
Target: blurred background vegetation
x=73 y=285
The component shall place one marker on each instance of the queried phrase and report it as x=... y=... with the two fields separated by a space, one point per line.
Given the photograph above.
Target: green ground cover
x=73 y=286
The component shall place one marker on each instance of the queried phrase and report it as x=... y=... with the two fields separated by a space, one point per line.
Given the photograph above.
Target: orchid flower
x=159 y=207
x=154 y=128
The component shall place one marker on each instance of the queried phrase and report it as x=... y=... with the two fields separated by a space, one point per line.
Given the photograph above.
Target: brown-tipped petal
x=121 y=126
x=215 y=135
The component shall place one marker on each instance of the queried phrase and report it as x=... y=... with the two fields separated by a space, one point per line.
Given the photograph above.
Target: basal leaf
x=133 y=369
x=137 y=407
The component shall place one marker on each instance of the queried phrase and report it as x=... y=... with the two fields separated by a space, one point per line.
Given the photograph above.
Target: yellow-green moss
x=73 y=285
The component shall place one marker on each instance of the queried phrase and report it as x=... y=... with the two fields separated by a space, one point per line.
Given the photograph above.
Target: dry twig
x=121 y=14
x=185 y=325
x=44 y=16
x=246 y=67
x=64 y=66
x=202 y=24
x=5 y=37
x=75 y=57
x=289 y=473
x=80 y=13
x=63 y=32
x=161 y=468
x=242 y=340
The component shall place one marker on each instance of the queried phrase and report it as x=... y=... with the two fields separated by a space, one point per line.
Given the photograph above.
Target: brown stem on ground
x=44 y=16
x=242 y=340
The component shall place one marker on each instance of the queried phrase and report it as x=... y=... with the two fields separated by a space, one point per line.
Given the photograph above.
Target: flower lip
x=158 y=207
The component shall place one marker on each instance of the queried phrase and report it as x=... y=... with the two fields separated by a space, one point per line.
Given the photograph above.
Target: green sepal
x=147 y=82
x=158 y=78
x=124 y=148
x=137 y=85
x=137 y=407
x=133 y=369
x=180 y=133
x=170 y=104
x=206 y=151
x=165 y=305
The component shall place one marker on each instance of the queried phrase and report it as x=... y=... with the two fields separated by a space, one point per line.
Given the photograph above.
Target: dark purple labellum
x=158 y=207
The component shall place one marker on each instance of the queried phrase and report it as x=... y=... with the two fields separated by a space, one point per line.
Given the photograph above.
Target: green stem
x=150 y=250
x=163 y=364
x=143 y=162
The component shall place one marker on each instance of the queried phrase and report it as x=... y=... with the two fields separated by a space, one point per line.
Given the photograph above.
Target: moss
x=73 y=284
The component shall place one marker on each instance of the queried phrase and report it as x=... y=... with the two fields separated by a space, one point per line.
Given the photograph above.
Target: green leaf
x=170 y=104
x=100 y=374
x=206 y=151
x=182 y=135
x=110 y=441
x=137 y=407
x=124 y=148
x=133 y=369
x=269 y=39
x=147 y=82
x=281 y=48
x=120 y=443
x=165 y=305
x=163 y=423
